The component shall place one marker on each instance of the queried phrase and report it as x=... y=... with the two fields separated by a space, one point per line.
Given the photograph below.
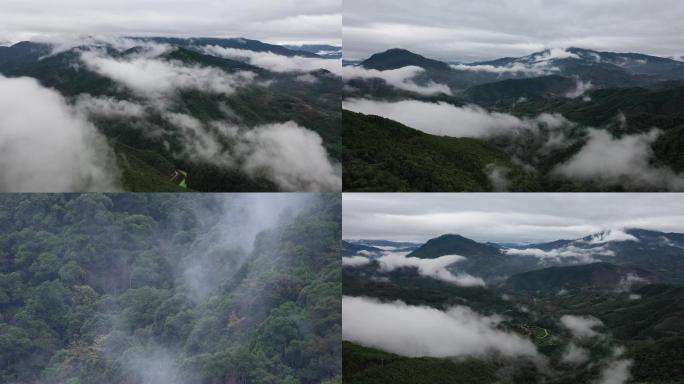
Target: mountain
x=398 y=58
x=511 y=90
x=352 y=249
x=323 y=50
x=155 y=151
x=383 y=155
x=451 y=244
x=108 y=288
x=600 y=276
x=235 y=43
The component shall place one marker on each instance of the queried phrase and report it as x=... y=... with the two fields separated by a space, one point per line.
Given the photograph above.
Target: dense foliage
x=383 y=155
x=130 y=288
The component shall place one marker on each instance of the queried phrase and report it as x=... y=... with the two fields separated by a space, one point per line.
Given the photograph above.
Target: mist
x=449 y=120
x=274 y=62
x=418 y=331
x=433 y=268
x=581 y=327
x=289 y=155
x=627 y=160
x=46 y=146
x=401 y=78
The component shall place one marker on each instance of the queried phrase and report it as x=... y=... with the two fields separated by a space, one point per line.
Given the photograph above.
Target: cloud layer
x=522 y=217
x=291 y=21
x=274 y=62
x=401 y=78
x=448 y=120
x=626 y=160
x=423 y=331
x=468 y=31
x=54 y=149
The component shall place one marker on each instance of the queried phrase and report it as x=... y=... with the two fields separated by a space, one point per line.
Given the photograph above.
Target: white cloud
x=292 y=156
x=401 y=78
x=107 y=107
x=581 y=87
x=276 y=63
x=448 y=120
x=581 y=255
x=533 y=65
x=581 y=327
x=498 y=177
x=628 y=281
x=416 y=331
x=45 y=146
x=611 y=235
x=153 y=77
x=617 y=372
x=626 y=161
x=355 y=261
x=574 y=354
x=434 y=268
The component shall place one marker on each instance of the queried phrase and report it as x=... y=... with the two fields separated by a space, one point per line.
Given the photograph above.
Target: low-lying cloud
x=54 y=149
x=557 y=255
x=627 y=161
x=417 y=331
x=533 y=65
x=151 y=76
x=274 y=62
x=574 y=354
x=355 y=261
x=401 y=78
x=448 y=120
x=433 y=268
x=581 y=327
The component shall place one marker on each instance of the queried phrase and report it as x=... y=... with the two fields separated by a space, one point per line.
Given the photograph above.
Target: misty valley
x=556 y=120
x=605 y=308
x=159 y=114
x=170 y=288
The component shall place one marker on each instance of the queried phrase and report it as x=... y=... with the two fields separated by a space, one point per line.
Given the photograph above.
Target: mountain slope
x=382 y=155
x=397 y=58
x=601 y=276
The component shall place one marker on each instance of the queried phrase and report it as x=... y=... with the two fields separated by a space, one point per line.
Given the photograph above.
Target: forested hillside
x=166 y=288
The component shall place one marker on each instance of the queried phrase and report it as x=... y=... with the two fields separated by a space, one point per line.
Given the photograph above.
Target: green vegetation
x=150 y=288
x=383 y=155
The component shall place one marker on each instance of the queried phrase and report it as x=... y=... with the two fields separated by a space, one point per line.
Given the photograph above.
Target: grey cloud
x=506 y=217
x=288 y=21
x=469 y=31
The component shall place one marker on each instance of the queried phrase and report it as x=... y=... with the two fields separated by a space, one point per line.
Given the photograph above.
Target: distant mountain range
x=545 y=105
x=598 y=260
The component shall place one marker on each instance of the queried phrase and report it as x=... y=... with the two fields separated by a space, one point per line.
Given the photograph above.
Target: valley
x=556 y=120
x=234 y=114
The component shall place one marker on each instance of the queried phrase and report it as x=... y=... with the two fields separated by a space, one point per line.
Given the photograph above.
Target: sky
x=279 y=22
x=505 y=217
x=466 y=30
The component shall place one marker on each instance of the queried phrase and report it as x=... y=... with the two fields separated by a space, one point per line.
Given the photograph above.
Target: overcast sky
x=281 y=21
x=498 y=217
x=467 y=30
